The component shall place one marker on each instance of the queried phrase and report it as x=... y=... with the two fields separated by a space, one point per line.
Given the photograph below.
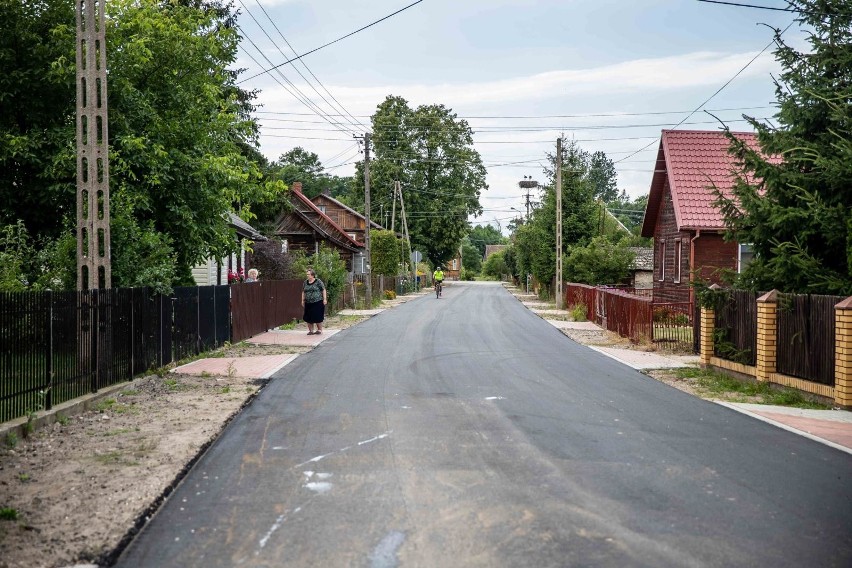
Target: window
x=677 y=259
x=455 y=264
x=284 y=246
x=353 y=236
x=321 y=208
x=662 y=259
x=745 y=255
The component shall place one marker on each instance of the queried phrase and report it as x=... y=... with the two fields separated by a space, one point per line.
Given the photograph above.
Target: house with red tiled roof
x=306 y=227
x=687 y=228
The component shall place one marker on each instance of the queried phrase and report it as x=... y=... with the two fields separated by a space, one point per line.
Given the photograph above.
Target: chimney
x=296 y=186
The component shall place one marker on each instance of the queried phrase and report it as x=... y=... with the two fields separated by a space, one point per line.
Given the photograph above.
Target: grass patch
x=721 y=385
x=112 y=405
x=129 y=392
x=578 y=312
x=114 y=458
x=8 y=514
x=291 y=325
x=117 y=432
x=11 y=439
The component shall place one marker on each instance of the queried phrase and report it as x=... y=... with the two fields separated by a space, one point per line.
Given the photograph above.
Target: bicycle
x=439 y=286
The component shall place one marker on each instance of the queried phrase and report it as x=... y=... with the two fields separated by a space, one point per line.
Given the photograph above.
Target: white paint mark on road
x=319 y=487
x=495 y=398
x=341 y=450
x=384 y=555
x=279 y=447
x=379 y=437
x=272 y=529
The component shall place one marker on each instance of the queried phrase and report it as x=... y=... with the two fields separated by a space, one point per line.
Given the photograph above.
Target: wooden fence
x=634 y=314
x=800 y=341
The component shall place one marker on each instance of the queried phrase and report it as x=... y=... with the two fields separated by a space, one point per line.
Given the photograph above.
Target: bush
x=390 y=295
x=578 y=312
x=467 y=274
x=495 y=265
x=272 y=262
x=328 y=265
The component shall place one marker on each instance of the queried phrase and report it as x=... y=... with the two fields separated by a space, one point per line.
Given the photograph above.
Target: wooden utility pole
x=393 y=212
x=559 y=302
x=368 y=279
x=93 y=219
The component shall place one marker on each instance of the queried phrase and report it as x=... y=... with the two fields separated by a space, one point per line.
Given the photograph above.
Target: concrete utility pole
x=93 y=235
x=407 y=237
x=368 y=280
x=528 y=184
x=393 y=213
x=559 y=302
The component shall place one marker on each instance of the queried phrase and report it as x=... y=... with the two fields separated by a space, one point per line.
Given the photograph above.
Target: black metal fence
x=805 y=337
x=56 y=346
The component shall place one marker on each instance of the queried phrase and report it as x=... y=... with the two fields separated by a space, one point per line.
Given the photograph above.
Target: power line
x=719 y=90
x=651 y=113
x=265 y=71
x=305 y=65
x=304 y=100
x=748 y=5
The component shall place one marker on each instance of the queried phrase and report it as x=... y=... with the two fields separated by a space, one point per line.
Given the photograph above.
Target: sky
x=609 y=74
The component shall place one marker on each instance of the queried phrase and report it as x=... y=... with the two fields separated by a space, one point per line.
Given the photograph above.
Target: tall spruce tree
x=792 y=199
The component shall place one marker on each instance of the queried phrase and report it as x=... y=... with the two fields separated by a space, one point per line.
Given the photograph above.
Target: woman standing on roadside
x=314 y=299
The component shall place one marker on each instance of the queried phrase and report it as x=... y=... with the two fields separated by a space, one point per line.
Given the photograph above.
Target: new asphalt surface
x=467 y=431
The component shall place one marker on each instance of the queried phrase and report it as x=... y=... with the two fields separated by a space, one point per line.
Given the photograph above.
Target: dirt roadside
x=78 y=489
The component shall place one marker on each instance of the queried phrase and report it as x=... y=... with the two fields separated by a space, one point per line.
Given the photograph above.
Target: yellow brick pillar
x=708 y=326
x=767 y=342
x=843 y=353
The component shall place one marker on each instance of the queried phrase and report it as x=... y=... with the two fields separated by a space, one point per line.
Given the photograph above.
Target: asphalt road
x=467 y=431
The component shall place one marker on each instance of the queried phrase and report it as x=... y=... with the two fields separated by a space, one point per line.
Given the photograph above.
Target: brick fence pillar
x=767 y=343
x=843 y=353
x=708 y=324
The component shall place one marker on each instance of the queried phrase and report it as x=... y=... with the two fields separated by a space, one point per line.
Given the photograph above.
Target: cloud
x=650 y=75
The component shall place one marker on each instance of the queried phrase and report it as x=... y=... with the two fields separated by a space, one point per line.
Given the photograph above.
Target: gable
x=690 y=163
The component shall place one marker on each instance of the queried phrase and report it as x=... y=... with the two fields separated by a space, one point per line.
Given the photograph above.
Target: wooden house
x=307 y=226
x=686 y=226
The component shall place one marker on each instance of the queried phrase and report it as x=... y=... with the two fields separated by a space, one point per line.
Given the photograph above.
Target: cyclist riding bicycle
x=438 y=277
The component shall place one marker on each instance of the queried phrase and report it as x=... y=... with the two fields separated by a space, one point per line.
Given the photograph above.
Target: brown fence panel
x=260 y=306
x=627 y=315
x=735 y=335
x=576 y=294
x=805 y=336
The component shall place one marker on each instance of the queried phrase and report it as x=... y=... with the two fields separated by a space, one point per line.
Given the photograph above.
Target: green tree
x=385 y=253
x=182 y=142
x=602 y=176
x=482 y=235
x=471 y=257
x=536 y=240
x=495 y=265
x=600 y=262
x=430 y=151
x=791 y=200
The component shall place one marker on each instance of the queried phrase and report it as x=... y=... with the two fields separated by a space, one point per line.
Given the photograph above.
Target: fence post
x=767 y=342
x=708 y=325
x=843 y=353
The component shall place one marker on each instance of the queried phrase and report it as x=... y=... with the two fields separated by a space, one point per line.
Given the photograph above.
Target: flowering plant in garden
x=236 y=277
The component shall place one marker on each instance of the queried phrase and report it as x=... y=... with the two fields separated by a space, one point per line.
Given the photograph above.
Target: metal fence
x=56 y=346
x=735 y=334
x=259 y=306
x=805 y=336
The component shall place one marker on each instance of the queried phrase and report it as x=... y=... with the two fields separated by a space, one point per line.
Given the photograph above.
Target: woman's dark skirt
x=314 y=312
